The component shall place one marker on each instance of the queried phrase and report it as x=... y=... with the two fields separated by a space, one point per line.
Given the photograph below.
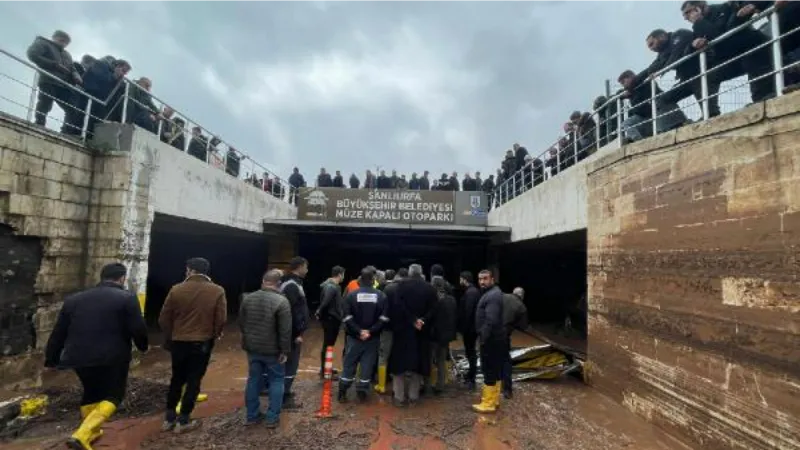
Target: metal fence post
x=575 y=145
x=597 y=125
x=86 y=118
x=32 y=102
x=125 y=101
x=704 y=85
x=619 y=121
x=777 y=58
x=653 y=108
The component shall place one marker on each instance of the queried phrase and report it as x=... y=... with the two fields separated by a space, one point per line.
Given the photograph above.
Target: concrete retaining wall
x=694 y=294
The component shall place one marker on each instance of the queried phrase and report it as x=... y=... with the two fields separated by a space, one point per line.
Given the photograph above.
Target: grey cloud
x=476 y=76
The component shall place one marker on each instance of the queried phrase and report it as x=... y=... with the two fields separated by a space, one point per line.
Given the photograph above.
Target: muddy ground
x=560 y=414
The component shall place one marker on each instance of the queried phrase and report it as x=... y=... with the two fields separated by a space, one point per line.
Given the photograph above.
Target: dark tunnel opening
x=355 y=248
x=553 y=272
x=238 y=259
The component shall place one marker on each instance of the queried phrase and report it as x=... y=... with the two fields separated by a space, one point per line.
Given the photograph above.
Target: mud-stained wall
x=694 y=296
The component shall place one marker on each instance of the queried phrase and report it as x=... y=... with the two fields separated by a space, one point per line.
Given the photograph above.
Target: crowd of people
x=397 y=325
x=584 y=132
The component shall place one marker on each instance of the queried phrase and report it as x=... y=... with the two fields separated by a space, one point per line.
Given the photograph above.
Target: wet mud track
x=547 y=415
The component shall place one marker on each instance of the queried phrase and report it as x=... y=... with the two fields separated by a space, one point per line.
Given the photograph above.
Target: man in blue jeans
x=265 y=319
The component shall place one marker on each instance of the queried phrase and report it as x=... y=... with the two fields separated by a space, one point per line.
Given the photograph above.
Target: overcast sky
x=354 y=85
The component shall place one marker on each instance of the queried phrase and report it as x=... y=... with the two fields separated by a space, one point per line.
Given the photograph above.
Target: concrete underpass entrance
x=386 y=246
x=238 y=259
x=552 y=270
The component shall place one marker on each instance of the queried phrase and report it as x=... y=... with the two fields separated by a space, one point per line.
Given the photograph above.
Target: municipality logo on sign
x=475 y=201
x=317 y=203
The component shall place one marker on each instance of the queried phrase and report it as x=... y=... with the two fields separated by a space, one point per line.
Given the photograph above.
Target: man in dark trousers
x=444 y=331
x=92 y=336
x=51 y=56
x=515 y=316
x=193 y=317
x=467 y=307
x=329 y=312
x=365 y=314
x=492 y=336
x=415 y=307
x=386 y=334
x=265 y=320
x=292 y=288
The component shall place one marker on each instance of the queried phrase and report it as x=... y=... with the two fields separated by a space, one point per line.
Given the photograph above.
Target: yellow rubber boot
x=488 y=400
x=85 y=411
x=380 y=388
x=449 y=377
x=81 y=439
x=499 y=386
x=434 y=375
x=200 y=399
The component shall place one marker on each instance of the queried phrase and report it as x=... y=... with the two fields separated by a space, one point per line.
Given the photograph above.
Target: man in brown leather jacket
x=193 y=317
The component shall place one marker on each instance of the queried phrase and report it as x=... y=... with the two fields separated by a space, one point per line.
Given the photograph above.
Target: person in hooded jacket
x=329 y=312
x=338 y=180
x=466 y=325
x=354 y=181
x=296 y=181
x=444 y=331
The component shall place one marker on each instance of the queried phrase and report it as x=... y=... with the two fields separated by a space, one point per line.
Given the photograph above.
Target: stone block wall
x=694 y=296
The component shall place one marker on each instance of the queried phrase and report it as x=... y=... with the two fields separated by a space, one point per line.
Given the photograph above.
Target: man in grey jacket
x=265 y=319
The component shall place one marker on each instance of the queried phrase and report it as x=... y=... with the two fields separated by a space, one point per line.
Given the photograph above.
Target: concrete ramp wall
x=183 y=186
x=556 y=206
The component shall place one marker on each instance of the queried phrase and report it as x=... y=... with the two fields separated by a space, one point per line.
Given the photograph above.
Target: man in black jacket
x=365 y=314
x=411 y=317
x=515 y=316
x=639 y=124
x=338 y=181
x=324 y=179
x=712 y=21
x=329 y=312
x=671 y=47
x=354 y=181
x=93 y=336
x=444 y=331
x=425 y=182
x=296 y=181
x=386 y=335
x=383 y=181
x=466 y=324
x=492 y=336
x=292 y=288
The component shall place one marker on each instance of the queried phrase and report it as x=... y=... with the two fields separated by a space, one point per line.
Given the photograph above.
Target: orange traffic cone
x=325 y=404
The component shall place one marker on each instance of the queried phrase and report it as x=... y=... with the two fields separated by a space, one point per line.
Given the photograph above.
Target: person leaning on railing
x=51 y=56
x=639 y=125
x=101 y=80
x=712 y=21
x=141 y=109
x=788 y=20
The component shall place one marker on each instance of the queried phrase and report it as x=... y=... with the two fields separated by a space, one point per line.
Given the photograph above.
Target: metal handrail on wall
x=279 y=187
x=517 y=183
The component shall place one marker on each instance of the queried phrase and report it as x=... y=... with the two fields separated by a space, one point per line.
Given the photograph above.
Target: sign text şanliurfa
x=351 y=205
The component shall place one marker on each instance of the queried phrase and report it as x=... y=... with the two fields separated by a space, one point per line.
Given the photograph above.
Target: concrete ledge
x=738 y=119
x=783 y=105
x=606 y=160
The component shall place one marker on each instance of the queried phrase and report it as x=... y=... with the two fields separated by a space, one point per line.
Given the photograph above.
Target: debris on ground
x=41 y=413
x=528 y=363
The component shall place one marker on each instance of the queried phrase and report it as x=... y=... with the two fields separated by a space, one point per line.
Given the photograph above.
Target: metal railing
x=613 y=130
x=82 y=111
